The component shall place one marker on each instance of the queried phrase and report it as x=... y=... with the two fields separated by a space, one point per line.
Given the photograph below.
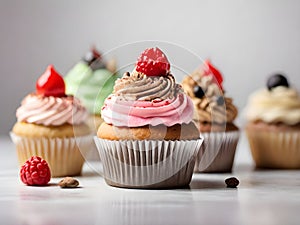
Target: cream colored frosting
x=138 y=86
x=280 y=105
x=51 y=110
x=207 y=109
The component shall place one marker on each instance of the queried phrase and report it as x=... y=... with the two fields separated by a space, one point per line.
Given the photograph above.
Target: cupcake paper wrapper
x=148 y=163
x=62 y=154
x=94 y=121
x=216 y=155
x=278 y=150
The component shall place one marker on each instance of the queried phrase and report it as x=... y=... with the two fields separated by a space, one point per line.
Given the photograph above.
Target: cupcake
x=214 y=115
x=148 y=139
x=52 y=125
x=92 y=80
x=273 y=127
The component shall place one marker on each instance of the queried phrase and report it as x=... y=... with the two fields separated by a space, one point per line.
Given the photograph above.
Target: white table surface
x=263 y=197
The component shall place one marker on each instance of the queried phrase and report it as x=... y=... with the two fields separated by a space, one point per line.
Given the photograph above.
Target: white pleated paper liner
x=93 y=121
x=148 y=163
x=92 y=158
x=62 y=154
x=275 y=149
x=217 y=152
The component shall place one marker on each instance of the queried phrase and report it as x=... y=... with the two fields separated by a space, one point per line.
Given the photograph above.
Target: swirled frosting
x=90 y=86
x=138 y=86
x=51 y=110
x=207 y=107
x=140 y=100
x=279 y=105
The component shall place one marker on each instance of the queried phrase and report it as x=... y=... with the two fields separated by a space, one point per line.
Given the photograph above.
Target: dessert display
x=273 y=127
x=148 y=138
x=214 y=115
x=51 y=125
x=92 y=80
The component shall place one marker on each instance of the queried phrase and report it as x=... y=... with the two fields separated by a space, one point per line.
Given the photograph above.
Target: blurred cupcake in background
x=214 y=115
x=273 y=127
x=52 y=125
x=92 y=80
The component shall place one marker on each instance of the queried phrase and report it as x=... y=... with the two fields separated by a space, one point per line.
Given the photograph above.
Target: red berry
x=35 y=171
x=153 y=62
x=210 y=69
x=50 y=83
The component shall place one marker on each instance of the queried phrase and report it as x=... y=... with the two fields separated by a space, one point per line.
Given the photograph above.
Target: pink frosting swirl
x=119 y=112
x=51 y=110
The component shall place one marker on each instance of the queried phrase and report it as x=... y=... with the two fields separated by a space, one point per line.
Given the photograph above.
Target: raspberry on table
x=153 y=62
x=35 y=172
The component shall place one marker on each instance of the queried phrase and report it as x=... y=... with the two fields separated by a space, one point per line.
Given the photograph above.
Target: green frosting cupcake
x=91 y=82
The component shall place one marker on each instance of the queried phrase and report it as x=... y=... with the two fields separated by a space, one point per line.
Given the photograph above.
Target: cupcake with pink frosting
x=51 y=124
x=148 y=138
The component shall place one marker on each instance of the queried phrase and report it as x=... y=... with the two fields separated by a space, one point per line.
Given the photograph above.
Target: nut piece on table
x=68 y=182
x=232 y=182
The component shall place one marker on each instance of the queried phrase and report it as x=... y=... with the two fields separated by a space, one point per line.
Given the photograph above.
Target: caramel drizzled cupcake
x=214 y=115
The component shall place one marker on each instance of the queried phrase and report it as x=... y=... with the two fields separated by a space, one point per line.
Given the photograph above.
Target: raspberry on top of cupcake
x=149 y=96
x=205 y=87
x=277 y=104
x=49 y=105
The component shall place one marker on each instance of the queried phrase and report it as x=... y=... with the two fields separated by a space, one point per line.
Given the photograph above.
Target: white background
x=246 y=40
